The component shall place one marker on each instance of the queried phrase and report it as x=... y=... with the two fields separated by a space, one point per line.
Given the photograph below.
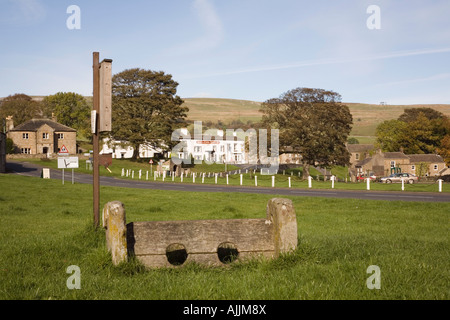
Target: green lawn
x=46 y=227
x=248 y=178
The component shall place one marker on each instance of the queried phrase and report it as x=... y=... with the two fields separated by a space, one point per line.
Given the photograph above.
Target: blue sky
x=240 y=49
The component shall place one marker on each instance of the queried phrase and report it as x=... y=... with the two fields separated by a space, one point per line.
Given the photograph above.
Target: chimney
x=9 y=123
x=54 y=118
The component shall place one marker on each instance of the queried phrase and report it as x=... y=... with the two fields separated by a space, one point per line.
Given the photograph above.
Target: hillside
x=366 y=117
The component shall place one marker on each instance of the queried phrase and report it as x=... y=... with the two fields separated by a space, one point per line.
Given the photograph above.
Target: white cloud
x=22 y=12
x=330 y=61
x=212 y=27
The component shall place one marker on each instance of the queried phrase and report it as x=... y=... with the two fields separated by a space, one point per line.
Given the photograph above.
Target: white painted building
x=217 y=149
x=122 y=150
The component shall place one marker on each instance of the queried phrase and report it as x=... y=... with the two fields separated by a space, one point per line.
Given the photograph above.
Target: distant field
x=366 y=117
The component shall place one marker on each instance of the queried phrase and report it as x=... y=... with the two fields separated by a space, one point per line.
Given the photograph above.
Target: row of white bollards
x=130 y=173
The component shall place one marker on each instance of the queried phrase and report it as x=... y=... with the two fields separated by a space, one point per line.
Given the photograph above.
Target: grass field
x=366 y=117
x=46 y=227
x=248 y=178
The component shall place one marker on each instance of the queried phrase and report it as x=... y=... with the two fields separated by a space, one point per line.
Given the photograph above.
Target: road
x=29 y=169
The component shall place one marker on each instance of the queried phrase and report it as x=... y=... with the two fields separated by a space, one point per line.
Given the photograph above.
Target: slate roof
x=35 y=124
x=359 y=147
x=395 y=155
x=433 y=158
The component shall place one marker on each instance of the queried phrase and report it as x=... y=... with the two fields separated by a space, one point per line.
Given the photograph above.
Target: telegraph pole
x=100 y=121
x=95 y=121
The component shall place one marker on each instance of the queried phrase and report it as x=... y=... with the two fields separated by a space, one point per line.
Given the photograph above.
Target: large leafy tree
x=416 y=131
x=21 y=107
x=313 y=122
x=71 y=109
x=146 y=109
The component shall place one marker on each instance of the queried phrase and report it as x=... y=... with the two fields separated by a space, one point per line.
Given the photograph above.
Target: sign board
x=105 y=95
x=63 y=150
x=105 y=159
x=68 y=163
x=151 y=161
x=94 y=121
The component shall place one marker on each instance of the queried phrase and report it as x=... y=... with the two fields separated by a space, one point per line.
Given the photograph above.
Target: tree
x=444 y=149
x=71 y=109
x=146 y=109
x=419 y=132
x=21 y=107
x=313 y=122
x=411 y=115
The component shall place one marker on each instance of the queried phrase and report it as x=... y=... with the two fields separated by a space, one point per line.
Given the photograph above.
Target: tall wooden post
x=95 y=139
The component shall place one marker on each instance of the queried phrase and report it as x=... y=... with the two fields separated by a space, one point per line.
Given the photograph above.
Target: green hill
x=366 y=117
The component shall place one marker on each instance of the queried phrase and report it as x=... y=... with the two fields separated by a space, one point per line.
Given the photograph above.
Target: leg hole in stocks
x=227 y=252
x=176 y=254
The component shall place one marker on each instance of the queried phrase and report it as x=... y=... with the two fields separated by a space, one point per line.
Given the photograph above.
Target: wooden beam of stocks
x=200 y=241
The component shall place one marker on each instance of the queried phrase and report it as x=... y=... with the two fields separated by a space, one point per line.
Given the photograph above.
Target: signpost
x=67 y=163
x=100 y=120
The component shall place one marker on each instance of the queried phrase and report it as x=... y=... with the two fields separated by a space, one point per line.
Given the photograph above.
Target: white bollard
x=289 y=181
x=154 y=176
x=182 y=176
x=123 y=172
x=203 y=177
x=368 y=183
x=309 y=182
x=273 y=181
x=227 y=178
x=173 y=176
x=403 y=184
x=256 y=181
x=440 y=184
x=193 y=177
x=216 y=177
x=241 y=179
x=332 y=181
x=132 y=174
x=140 y=174
x=146 y=176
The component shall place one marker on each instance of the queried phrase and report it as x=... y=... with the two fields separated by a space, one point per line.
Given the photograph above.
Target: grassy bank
x=46 y=227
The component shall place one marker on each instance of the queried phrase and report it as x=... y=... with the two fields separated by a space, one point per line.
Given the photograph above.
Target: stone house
x=41 y=136
x=385 y=163
x=359 y=152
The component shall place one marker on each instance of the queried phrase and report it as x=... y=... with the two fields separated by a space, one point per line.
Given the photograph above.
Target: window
x=60 y=136
x=357 y=156
x=392 y=164
x=435 y=167
x=25 y=150
x=197 y=149
x=222 y=148
x=413 y=167
x=45 y=135
x=25 y=136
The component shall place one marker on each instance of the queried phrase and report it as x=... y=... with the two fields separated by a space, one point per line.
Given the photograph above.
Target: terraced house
x=41 y=137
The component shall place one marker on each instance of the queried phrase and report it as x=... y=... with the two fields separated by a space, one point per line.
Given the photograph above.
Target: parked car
x=372 y=176
x=397 y=177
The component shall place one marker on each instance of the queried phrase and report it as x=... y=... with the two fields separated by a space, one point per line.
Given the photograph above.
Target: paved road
x=28 y=169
